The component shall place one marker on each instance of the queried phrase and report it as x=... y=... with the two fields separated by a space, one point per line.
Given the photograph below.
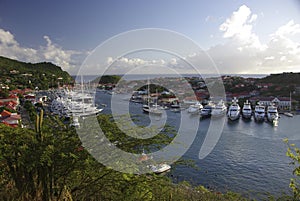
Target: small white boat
x=219 y=110
x=272 y=114
x=259 y=112
x=234 y=110
x=195 y=109
x=288 y=114
x=155 y=168
x=160 y=168
x=247 y=111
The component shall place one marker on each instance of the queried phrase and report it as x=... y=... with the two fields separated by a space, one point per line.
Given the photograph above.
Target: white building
x=282 y=103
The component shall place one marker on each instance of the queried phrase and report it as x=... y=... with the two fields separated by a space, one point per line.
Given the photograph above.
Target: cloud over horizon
x=51 y=52
x=241 y=52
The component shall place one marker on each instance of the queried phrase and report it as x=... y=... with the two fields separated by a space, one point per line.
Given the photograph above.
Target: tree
x=294 y=153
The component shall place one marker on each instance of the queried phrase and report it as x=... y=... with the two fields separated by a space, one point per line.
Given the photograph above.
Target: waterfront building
x=282 y=103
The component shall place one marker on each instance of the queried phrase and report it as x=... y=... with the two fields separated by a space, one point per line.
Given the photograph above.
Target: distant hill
x=17 y=74
x=107 y=79
x=282 y=79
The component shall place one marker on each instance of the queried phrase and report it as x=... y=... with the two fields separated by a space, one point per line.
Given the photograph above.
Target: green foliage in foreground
x=49 y=163
x=294 y=153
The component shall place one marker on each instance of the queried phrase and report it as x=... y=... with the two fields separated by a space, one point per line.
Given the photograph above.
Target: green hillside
x=43 y=75
x=282 y=78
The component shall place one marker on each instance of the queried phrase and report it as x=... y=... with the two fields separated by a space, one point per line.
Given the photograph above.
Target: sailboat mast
x=290 y=101
x=82 y=94
x=148 y=92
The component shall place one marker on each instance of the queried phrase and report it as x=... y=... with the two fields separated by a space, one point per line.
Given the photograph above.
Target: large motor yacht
x=234 y=110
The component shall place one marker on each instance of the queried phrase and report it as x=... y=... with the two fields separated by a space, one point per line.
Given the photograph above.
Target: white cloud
x=109 y=60
x=67 y=59
x=269 y=58
x=239 y=28
x=173 y=61
x=243 y=51
x=6 y=38
x=253 y=18
x=9 y=47
x=289 y=29
x=236 y=24
x=125 y=65
x=56 y=54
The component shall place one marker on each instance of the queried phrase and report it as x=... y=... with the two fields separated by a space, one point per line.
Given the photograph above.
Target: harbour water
x=248 y=158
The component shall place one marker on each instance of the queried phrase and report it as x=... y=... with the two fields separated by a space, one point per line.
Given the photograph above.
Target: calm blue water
x=249 y=157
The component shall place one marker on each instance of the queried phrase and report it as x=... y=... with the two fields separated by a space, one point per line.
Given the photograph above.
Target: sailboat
x=147 y=108
x=289 y=114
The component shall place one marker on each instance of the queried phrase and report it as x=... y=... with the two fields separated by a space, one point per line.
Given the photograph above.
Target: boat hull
x=234 y=117
x=259 y=117
x=247 y=115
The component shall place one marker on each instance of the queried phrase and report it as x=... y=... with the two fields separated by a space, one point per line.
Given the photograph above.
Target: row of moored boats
x=74 y=103
x=234 y=111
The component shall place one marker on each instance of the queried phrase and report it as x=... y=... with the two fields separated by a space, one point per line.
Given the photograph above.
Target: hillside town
x=285 y=97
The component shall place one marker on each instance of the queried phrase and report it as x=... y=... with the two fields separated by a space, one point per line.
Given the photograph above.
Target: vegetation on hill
x=281 y=85
x=282 y=79
x=107 y=79
x=45 y=75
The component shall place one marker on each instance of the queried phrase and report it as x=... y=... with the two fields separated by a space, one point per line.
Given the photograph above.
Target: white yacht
x=219 y=110
x=195 y=109
x=259 y=112
x=272 y=114
x=206 y=110
x=234 y=110
x=247 y=111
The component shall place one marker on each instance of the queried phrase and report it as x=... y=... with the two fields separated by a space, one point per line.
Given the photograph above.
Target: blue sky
x=64 y=32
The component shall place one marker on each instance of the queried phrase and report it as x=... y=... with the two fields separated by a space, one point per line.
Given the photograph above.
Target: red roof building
x=10 y=119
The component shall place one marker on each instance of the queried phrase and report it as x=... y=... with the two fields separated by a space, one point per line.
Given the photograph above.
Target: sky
x=248 y=37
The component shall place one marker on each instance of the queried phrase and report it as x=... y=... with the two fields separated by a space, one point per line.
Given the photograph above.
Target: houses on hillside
x=10 y=119
x=9 y=107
